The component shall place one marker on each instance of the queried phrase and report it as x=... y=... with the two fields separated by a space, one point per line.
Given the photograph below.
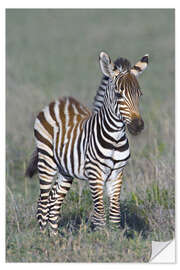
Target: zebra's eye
x=119 y=95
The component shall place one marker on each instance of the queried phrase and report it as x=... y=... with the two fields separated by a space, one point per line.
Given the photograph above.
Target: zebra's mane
x=123 y=65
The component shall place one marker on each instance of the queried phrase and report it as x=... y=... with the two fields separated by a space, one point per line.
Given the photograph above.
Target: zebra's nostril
x=141 y=123
x=136 y=126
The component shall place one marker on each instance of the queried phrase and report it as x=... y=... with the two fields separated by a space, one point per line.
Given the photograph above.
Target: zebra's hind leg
x=47 y=169
x=57 y=195
x=113 y=190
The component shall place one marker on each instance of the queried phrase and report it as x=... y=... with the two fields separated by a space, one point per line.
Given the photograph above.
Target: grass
x=52 y=53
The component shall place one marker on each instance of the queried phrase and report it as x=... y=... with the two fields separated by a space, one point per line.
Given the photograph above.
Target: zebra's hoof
x=115 y=226
x=53 y=233
x=97 y=226
x=43 y=229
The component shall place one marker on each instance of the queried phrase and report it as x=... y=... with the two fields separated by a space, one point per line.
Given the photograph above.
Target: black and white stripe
x=75 y=143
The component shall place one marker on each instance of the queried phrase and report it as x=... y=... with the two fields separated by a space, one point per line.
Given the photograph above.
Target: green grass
x=53 y=53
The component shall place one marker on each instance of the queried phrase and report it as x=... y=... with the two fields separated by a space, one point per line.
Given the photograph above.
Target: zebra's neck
x=99 y=98
x=110 y=122
x=105 y=102
x=111 y=117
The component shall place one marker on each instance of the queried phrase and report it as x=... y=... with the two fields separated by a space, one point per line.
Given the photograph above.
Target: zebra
x=74 y=142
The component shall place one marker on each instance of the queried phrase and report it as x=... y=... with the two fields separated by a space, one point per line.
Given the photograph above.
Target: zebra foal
x=73 y=142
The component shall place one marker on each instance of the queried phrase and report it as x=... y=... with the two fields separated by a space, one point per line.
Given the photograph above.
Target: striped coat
x=72 y=142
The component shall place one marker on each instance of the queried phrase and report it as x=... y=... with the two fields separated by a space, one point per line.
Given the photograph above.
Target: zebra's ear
x=107 y=66
x=140 y=66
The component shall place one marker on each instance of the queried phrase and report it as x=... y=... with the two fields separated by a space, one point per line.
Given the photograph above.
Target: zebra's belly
x=71 y=167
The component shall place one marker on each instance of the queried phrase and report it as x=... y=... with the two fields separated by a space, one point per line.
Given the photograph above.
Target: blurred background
x=54 y=53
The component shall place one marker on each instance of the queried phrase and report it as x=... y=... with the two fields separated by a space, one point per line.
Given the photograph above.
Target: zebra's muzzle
x=136 y=126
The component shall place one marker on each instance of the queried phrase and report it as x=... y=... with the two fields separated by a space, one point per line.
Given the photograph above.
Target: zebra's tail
x=32 y=167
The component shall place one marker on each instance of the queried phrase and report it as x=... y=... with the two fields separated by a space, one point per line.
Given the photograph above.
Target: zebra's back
x=58 y=132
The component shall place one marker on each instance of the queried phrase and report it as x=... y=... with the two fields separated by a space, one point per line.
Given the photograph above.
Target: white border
x=77 y=4
x=89 y=4
x=2 y=136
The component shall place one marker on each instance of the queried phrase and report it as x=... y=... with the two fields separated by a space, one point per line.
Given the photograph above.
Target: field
x=54 y=53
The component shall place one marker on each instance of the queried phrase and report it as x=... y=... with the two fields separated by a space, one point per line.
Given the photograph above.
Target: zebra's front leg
x=96 y=187
x=113 y=190
x=57 y=195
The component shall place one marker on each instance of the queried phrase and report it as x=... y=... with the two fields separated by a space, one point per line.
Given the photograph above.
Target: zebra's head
x=125 y=88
